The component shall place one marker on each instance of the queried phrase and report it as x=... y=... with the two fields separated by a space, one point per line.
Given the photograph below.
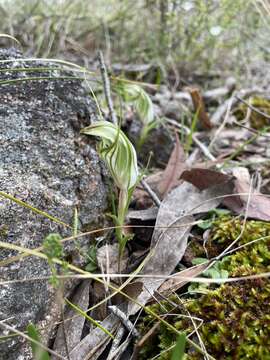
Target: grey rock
x=45 y=162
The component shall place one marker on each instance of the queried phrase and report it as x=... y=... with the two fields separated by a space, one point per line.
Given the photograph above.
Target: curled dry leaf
x=258 y=204
x=199 y=108
x=176 y=165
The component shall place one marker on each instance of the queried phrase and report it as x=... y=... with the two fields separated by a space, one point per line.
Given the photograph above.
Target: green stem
x=122 y=208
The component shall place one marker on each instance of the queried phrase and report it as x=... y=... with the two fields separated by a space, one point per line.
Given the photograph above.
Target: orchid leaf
x=142 y=102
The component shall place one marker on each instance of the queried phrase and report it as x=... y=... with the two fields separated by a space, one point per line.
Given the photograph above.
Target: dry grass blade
x=176 y=282
x=10 y=37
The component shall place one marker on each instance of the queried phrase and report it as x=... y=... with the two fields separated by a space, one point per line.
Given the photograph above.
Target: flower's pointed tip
x=83 y=131
x=86 y=130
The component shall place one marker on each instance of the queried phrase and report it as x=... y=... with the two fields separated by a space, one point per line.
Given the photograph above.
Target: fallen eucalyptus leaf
x=174 y=169
x=257 y=207
x=73 y=327
x=204 y=178
x=180 y=279
x=174 y=222
x=92 y=345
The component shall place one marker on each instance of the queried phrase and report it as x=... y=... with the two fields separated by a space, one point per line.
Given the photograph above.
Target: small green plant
x=121 y=158
x=53 y=249
x=215 y=272
x=38 y=352
x=92 y=259
x=135 y=95
x=211 y=216
x=179 y=349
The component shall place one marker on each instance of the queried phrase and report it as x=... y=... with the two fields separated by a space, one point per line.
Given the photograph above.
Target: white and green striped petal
x=117 y=151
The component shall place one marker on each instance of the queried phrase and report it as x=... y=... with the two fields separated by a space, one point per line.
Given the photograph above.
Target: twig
x=124 y=319
x=253 y=108
x=229 y=105
x=203 y=148
x=222 y=109
x=152 y=194
x=121 y=349
x=116 y=342
x=107 y=87
x=250 y=129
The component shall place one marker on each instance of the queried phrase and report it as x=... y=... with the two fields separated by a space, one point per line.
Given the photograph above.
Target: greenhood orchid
x=121 y=159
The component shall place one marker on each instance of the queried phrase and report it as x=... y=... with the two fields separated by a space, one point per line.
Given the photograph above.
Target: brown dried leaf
x=204 y=178
x=132 y=290
x=172 y=229
x=73 y=327
x=259 y=204
x=174 y=169
x=92 y=346
x=199 y=107
x=176 y=282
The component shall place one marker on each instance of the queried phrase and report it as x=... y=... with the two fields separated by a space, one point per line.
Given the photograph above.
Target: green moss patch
x=235 y=317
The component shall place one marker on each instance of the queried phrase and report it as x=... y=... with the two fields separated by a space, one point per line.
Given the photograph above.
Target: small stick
x=152 y=194
x=234 y=100
x=107 y=88
x=253 y=108
x=116 y=342
x=124 y=319
x=203 y=148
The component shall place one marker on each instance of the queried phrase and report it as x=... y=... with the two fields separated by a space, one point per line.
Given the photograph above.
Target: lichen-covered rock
x=45 y=162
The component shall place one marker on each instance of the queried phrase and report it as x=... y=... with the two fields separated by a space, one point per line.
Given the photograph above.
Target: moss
x=257 y=121
x=236 y=316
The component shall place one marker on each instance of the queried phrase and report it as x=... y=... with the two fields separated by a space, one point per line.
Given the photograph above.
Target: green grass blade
x=32 y=208
x=179 y=349
x=38 y=352
x=93 y=321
